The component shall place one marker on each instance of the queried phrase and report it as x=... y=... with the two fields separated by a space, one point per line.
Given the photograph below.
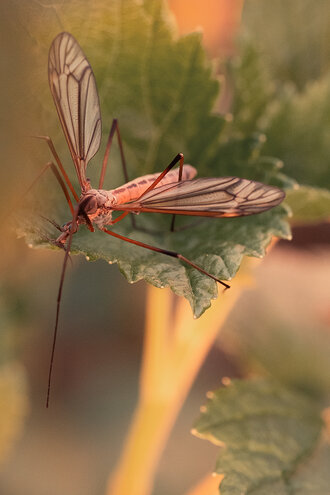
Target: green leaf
x=268 y=432
x=297 y=357
x=253 y=88
x=296 y=123
x=296 y=126
x=293 y=37
x=309 y=204
x=161 y=89
x=298 y=131
x=314 y=477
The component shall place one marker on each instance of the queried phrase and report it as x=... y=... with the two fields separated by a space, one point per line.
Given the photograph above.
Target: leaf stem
x=173 y=354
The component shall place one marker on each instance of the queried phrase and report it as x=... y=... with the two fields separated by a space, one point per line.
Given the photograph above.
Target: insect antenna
x=52 y=222
x=59 y=298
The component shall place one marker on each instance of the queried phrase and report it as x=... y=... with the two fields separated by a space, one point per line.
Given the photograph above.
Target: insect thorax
x=97 y=204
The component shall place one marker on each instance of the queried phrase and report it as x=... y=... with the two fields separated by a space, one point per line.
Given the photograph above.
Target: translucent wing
x=214 y=197
x=73 y=87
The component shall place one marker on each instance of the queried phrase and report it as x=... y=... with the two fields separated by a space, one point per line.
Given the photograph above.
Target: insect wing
x=214 y=197
x=73 y=87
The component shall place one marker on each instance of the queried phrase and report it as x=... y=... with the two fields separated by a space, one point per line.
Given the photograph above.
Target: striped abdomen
x=135 y=188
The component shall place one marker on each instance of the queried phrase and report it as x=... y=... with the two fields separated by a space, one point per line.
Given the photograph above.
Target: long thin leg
x=179 y=157
x=118 y=219
x=179 y=180
x=58 y=177
x=59 y=296
x=173 y=254
x=59 y=163
x=114 y=128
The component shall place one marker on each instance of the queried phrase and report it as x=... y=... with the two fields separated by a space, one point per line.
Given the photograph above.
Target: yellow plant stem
x=175 y=347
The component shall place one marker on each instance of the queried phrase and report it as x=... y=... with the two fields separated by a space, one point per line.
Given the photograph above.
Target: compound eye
x=90 y=205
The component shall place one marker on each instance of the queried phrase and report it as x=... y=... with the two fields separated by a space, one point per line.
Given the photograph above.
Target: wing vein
x=73 y=87
x=208 y=197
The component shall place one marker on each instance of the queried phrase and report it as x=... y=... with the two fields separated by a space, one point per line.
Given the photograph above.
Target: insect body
x=99 y=204
x=175 y=192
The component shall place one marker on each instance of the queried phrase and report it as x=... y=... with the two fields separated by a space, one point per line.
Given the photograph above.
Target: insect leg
x=173 y=254
x=59 y=163
x=114 y=128
x=180 y=178
x=178 y=158
x=58 y=177
x=72 y=230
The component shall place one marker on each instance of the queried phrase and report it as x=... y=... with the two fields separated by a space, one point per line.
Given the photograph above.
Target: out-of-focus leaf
x=253 y=89
x=283 y=329
x=161 y=89
x=296 y=125
x=309 y=204
x=298 y=131
x=266 y=432
x=314 y=477
x=294 y=37
x=298 y=358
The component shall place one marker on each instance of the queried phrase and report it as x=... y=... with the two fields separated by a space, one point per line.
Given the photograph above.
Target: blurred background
x=280 y=326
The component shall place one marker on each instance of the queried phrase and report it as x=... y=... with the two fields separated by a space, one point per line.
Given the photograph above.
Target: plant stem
x=173 y=355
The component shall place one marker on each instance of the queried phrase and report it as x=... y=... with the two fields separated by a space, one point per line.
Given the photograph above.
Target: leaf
x=314 y=478
x=298 y=131
x=309 y=204
x=296 y=356
x=268 y=432
x=296 y=126
x=294 y=41
x=296 y=123
x=161 y=89
x=253 y=88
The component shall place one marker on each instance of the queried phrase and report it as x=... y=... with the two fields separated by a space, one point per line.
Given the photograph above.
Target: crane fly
x=175 y=192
